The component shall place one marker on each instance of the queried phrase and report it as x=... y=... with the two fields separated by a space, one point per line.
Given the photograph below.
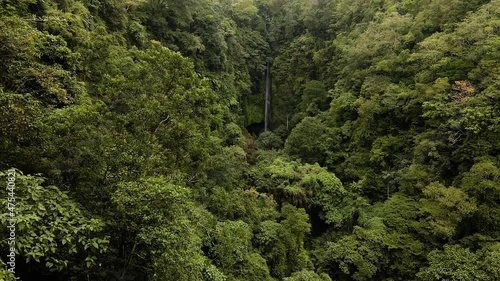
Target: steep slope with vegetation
x=125 y=121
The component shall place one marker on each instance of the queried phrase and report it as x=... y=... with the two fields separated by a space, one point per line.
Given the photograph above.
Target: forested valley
x=133 y=131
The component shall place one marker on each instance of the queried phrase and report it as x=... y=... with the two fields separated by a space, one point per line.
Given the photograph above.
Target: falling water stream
x=267 y=109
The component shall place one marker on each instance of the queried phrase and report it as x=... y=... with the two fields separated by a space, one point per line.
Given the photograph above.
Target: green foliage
x=227 y=167
x=306 y=275
x=382 y=163
x=244 y=10
x=446 y=207
x=11 y=7
x=36 y=64
x=312 y=140
x=51 y=229
x=161 y=218
x=360 y=255
x=303 y=185
x=282 y=244
x=270 y=140
x=454 y=263
x=6 y=274
x=233 y=135
x=23 y=117
x=255 y=114
x=232 y=249
x=314 y=98
x=249 y=206
x=482 y=183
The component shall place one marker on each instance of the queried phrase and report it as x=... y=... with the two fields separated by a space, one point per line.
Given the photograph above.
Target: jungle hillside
x=250 y=140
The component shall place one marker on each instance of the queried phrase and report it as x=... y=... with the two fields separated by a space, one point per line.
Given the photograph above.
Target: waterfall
x=267 y=109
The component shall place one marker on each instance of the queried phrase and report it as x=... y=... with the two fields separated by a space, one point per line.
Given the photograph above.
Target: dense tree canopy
x=133 y=132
